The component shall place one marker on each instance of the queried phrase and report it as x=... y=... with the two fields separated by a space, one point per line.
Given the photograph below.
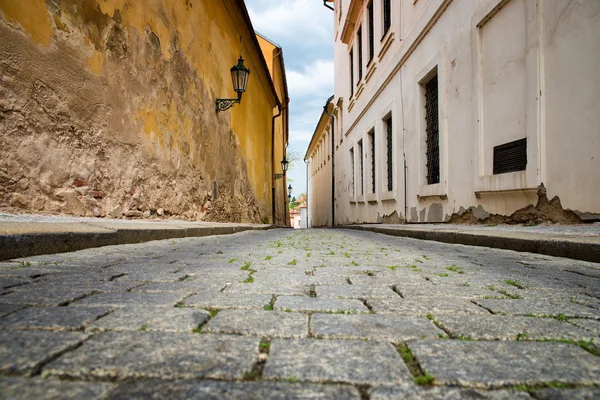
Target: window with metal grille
x=361 y=165
x=510 y=157
x=433 y=131
x=351 y=72
x=353 y=174
x=371 y=29
x=360 y=51
x=387 y=16
x=372 y=146
x=390 y=152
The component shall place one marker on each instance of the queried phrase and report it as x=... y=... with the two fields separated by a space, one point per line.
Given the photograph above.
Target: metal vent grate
x=510 y=157
x=353 y=172
x=360 y=54
x=433 y=132
x=371 y=31
x=390 y=168
x=362 y=175
x=372 y=143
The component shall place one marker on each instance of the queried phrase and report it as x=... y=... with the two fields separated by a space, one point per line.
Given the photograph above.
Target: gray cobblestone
x=391 y=328
x=53 y=318
x=149 y=311
x=151 y=318
x=494 y=364
x=267 y=324
x=539 y=307
x=498 y=327
x=335 y=361
x=424 y=306
x=214 y=390
x=126 y=355
x=299 y=303
x=228 y=300
x=24 y=353
x=130 y=299
x=419 y=393
x=36 y=388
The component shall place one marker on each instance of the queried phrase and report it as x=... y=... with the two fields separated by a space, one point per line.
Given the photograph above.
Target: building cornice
x=351 y=20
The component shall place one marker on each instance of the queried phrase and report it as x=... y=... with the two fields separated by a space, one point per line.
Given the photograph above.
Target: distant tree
x=293 y=203
x=301 y=198
x=293 y=158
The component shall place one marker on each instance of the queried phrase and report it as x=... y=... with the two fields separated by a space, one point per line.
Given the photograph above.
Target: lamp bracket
x=226 y=104
x=279 y=176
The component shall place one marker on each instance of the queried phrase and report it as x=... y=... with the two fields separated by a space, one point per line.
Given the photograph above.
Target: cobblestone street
x=305 y=314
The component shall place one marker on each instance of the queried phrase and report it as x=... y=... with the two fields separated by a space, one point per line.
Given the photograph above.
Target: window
x=352 y=172
x=432 y=131
x=360 y=57
x=351 y=73
x=371 y=39
x=371 y=136
x=510 y=157
x=387 y=16
x=390 y=152
x=361 y=165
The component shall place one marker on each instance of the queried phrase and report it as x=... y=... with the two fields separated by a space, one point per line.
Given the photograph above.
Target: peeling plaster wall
x=507 y=69
x=273 y=55
x=108 y=108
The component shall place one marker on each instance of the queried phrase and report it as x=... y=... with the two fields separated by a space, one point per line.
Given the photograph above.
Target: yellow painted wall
x=140 y=79
x=273 y=56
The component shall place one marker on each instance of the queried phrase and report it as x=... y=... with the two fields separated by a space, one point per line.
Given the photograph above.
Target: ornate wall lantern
x=284 y=166
x=239 y=76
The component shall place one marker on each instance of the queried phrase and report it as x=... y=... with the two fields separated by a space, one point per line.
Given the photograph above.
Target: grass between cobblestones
x=256 y=372
x=420 y=377
x=544 y=385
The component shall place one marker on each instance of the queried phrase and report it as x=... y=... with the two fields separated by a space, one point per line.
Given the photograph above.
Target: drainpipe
x=404 y=151
x=328 y=6
x=273 y=162
x=332 y=160
x=283 y=150
x=307 y=207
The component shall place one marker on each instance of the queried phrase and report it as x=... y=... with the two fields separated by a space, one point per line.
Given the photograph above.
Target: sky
x=304 y=30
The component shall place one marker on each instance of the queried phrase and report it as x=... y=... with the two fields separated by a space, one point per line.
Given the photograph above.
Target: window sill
x=505 y=182
x=492 y=192
x=372 y=197
x=360 y=89
x=388 y=196
x=360 y=199
x=370 y=71
x=351 y=104
x=435 y=190
x=386 y=41
x=353 y=200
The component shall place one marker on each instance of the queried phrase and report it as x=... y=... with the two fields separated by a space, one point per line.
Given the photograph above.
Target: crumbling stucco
x=544 y=211
x=100 y=118
x=393 y=218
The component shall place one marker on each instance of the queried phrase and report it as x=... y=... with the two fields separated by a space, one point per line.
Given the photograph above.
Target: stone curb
x=551 y=245
x=31 y=244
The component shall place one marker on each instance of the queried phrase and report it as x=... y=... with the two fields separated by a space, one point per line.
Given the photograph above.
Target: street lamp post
x=239 y=77
x=284 y=166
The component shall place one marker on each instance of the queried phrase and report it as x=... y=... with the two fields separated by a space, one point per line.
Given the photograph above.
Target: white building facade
x=448 y=106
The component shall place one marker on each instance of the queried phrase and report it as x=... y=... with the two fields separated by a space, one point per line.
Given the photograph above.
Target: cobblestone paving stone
x=309 y=314
x=53 y=318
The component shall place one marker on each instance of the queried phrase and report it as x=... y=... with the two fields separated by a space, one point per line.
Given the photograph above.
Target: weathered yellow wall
x=108 y=107
x=272 y=55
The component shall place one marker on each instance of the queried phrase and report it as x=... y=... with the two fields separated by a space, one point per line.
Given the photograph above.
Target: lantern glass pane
x=235 y=79
x=243 y=80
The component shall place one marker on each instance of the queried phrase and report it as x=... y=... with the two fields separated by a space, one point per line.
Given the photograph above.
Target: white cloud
x=302 y=19
x=300 y=137
x=314 y=79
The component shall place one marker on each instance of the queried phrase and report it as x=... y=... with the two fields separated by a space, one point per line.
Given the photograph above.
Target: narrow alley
x=307 y=314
